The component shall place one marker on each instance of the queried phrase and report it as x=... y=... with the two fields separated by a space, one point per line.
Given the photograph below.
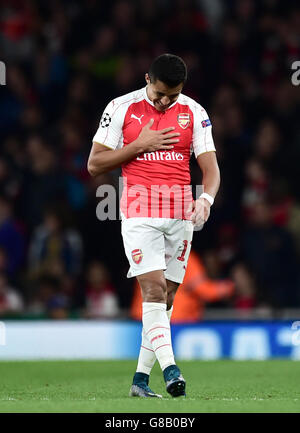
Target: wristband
x=208 y=197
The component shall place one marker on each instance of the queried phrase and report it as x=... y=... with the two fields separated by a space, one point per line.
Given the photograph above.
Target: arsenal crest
x=183 y=120
x=137 y=256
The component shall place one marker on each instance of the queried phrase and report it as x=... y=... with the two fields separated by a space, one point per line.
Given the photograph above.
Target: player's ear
x=147 y=78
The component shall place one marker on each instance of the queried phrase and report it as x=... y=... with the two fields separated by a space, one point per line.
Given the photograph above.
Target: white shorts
x=152 y=244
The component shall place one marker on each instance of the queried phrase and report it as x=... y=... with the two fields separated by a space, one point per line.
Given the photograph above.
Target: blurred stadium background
x=63 y=286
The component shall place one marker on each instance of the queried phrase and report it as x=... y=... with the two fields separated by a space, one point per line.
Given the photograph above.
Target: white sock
x=157 y=329
x=147 y=356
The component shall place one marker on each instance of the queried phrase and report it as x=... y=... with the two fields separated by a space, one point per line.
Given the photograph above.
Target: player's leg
x=157 y=328
x=145 y=250
x=178 y=237
x=147 y=357
x=154 y=291
x=155 y=320
x=156 y=331
x=144 y=243
x=146 y=361
x=175 y=383
x=177 y=244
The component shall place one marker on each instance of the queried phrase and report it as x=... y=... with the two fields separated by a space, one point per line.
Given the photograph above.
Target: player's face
x=161 y=95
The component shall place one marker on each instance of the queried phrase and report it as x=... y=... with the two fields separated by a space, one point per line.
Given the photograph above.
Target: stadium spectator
x=270 y=252
x=11 y=301
x=101 y=299
x=43 y=182
x=219 y=259
x=267 y=147
x=55 y=248
x=9 y=183
x=48 y=299
x=74 y=161
x=11 y=237
x=256 y=186
x=3 y=260
x=245 y=297
x=293 y=224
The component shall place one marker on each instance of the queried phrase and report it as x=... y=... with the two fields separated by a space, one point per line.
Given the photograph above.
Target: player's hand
x=200 y=211
x=150 y=140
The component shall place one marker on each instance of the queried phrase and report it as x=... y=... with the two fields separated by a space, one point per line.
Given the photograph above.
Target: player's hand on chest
x=180 y=136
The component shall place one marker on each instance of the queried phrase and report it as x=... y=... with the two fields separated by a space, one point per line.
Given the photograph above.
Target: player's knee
x=154 y=290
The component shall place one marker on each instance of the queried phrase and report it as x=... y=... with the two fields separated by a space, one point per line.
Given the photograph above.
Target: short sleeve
x=202 y=140
x=110 y=127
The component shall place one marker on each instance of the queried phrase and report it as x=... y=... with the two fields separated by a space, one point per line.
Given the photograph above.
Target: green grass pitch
x=102 y=386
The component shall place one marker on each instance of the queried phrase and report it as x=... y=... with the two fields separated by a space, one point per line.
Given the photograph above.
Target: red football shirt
x=156 y=184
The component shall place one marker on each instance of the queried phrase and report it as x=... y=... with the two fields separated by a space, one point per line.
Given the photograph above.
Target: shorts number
x=181 y=258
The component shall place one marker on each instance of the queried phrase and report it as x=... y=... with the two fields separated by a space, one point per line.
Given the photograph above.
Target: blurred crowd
x=65 y=60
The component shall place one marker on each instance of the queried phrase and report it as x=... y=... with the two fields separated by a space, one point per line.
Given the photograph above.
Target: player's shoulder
x=191 y=103
x=128 y=98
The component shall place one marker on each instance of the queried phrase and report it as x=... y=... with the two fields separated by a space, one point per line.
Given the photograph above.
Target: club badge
x=137 y=256
x=183 y=120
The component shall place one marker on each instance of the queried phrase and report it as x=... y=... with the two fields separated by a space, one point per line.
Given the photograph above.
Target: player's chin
x=160 y=107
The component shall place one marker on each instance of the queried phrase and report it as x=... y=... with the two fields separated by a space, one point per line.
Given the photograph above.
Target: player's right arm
x=104 y=157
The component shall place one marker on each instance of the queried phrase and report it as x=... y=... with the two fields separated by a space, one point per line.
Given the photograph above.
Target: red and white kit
x=155 y=229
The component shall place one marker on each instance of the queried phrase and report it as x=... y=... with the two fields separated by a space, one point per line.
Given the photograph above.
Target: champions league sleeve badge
x=205 y=123
x=105 y=120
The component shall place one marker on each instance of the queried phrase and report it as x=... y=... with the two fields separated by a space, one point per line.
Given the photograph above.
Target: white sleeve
x=109 y=132
x=202 y=140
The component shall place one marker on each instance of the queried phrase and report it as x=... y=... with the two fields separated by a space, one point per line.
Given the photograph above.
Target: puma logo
x=133 y=116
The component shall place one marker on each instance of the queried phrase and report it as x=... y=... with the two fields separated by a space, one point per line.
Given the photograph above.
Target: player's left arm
x=211 y=182
x=205 y=152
